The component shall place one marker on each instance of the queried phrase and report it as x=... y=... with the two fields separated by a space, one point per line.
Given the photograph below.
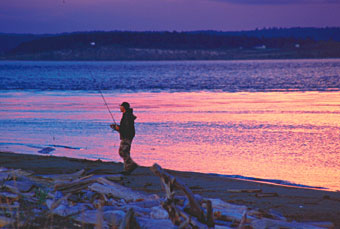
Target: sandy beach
x=298 y=204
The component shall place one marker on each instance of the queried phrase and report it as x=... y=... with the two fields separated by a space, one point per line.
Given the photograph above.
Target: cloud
x=280 y=2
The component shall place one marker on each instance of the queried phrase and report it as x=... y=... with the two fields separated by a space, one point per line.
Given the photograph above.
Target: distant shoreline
x=131 y=54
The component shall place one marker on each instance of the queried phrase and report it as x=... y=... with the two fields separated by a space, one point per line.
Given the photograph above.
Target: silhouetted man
x=126 y=130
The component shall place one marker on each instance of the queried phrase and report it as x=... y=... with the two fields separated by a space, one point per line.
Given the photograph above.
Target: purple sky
x=54 y=16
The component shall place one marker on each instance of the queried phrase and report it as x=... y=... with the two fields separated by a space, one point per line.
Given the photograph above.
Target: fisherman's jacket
x=127 y=125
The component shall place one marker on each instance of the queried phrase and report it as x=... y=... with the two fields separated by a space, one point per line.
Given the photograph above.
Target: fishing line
x=107 y=106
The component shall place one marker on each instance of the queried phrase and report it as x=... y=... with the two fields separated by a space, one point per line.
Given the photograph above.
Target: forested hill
x=318 y=34
x=118 y=45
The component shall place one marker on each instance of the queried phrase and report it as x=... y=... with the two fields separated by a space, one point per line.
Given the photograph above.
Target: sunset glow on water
x=291 y=136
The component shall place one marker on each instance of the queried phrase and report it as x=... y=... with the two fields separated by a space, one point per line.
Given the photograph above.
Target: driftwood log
x=129 y=221
x=177 y=215
x=107 y=187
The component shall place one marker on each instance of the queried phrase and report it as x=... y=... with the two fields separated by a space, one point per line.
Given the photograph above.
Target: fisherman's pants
x=124 y=152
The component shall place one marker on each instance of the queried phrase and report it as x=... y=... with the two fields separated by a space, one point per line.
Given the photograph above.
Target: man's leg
x=124 y=152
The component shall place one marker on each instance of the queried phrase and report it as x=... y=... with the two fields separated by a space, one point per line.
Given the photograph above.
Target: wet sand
x=298 y=204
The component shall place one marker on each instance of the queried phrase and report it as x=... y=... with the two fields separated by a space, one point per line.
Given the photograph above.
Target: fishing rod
x=107 y=106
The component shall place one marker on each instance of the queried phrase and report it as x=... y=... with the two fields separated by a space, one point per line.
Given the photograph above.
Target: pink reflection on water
x=290 y=136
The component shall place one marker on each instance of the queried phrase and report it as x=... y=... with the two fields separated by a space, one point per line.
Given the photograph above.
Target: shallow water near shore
x=286 y=136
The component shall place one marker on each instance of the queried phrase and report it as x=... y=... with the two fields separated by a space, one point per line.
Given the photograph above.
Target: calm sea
x=277 y=120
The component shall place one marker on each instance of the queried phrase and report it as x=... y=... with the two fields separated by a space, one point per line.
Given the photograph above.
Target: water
x=192 y=116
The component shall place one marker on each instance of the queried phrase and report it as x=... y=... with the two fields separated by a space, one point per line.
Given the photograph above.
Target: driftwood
x=22 y=186
x=56 y=203
x=169 y=183
x=8 y=196
x=105 y=204
x=83 y=183
x=243 y=222
x=74 y=186
x=5 y=221
x=118 y=191
x=129 y=221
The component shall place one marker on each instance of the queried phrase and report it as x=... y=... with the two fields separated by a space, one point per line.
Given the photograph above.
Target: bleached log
x=68 y=210
x=269 y=223
x=105 y=181
x=22 y=186
x=74 y=186
x=15 y=190
x=173 y=211
x=231 y=216
x=190 y=221
x=129 y=221
x=243 y=221
x=8 y=196
x=220 y=204
x=210 y=214
x=117 y=191
x=11 y=188
x=170 y=182
x=56 y=203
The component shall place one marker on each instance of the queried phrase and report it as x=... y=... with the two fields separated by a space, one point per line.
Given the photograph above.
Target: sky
x=56 y=16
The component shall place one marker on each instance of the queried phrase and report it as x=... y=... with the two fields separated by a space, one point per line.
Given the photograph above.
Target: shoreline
x=269 y=181
x=295 y=203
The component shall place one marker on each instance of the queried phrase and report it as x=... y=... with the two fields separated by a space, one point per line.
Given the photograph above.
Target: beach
x=299 y=204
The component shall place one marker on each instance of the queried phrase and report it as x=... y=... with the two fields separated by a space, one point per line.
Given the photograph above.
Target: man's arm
x=115 y=127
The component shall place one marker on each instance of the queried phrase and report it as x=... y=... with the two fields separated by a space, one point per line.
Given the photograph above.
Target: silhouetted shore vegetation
x=198 y=45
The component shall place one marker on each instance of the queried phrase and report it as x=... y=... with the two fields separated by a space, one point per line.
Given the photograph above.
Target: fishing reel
x=114 y=127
